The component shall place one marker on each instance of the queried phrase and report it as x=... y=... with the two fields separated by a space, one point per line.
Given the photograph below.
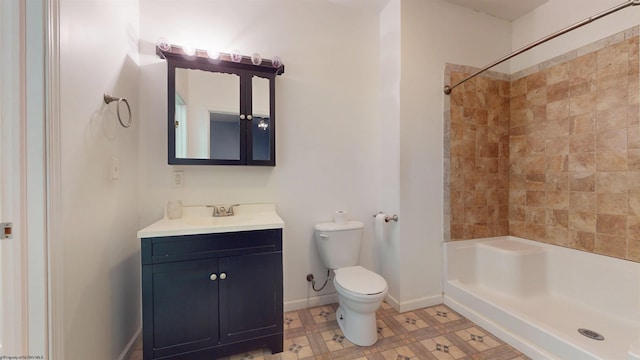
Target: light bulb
x=213 y=54
x=189 y=50
x=276 y=62
x=163 y=44
x=256 y=59
x=236 y=56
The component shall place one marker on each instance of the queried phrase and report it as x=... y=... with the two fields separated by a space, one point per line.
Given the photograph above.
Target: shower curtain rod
x=448 y=88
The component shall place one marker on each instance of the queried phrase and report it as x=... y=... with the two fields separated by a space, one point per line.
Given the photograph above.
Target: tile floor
x=435 y=332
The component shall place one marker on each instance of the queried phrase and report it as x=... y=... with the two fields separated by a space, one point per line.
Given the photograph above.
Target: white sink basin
x=199 y=220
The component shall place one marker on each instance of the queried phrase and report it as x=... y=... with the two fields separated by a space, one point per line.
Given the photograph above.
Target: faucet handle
x=215 y=210
x=230 y=210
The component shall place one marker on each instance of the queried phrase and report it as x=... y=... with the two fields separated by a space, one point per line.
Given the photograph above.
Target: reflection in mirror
x=207 y=121
x=261 y=122
x=181 y=127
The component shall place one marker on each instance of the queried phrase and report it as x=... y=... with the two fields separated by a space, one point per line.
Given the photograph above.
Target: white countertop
x=199 y=220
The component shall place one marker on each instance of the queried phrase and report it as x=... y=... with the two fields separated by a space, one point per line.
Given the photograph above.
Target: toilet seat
x=360 y=281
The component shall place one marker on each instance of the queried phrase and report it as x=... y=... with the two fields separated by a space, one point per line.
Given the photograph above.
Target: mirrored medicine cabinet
x=220 y=111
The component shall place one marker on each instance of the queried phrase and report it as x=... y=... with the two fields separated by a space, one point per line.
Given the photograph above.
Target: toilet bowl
x=360 y=291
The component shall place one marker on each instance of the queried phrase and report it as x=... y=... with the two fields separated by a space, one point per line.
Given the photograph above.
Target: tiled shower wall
x=574 y=152
x=479 y=155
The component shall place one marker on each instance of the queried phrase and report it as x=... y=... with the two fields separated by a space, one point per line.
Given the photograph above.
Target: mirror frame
x=177 y=58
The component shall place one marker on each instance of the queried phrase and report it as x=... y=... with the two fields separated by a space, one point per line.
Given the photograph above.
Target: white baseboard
x=333 y=298
x=128 y=349
x=311 y=302
x=414 y=304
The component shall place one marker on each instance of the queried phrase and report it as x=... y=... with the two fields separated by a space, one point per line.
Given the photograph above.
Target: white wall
x=101 y=255
x=326 y=117
x=433 y=33
x=559 y=14
x=388 y=241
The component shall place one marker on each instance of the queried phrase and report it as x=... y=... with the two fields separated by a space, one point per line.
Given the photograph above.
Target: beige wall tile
x=615 y=246
x=634 y=204
x=557 y=146
x=633 y=249
x=553 y=155
x=558 y=200
x=582 y=142
x=611 y=160
x=584 y=123
x=582 y=221
x=582 y=162
x=614 y=118
x=611 y=224
x=585 y=201
x=584 y=240
x=611 y=182
x=612 y=97
x=612 y=140
x=609 y=203
x=557 y=73
x=557 y=218
x=584 y=181
x=556 y=181
x=633 y=138
x=583 y=104
x=612 y=75
x=557 y=163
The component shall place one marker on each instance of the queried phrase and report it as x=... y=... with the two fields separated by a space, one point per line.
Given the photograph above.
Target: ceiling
x=503 y=9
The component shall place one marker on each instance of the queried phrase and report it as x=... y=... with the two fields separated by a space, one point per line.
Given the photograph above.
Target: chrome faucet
x=219 y=211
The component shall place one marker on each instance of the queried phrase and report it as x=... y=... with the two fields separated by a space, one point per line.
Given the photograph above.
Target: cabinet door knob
x=223 y=276
x=213 y=277
x=242 y=116
x=249 y=117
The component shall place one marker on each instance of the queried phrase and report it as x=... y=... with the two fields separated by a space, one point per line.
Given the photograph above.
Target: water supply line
x=313 y=282
x=447 y=88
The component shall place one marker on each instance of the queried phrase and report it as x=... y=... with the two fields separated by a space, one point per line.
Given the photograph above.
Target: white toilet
x=360 y=291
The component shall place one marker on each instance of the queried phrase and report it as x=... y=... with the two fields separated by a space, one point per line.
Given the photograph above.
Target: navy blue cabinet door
x=185 y=306
x=250 y=296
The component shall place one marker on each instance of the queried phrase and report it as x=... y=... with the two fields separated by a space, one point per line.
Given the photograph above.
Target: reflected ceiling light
x=263 y=125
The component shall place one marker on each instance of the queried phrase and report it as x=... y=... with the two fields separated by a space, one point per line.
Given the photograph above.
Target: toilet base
x=361 y=329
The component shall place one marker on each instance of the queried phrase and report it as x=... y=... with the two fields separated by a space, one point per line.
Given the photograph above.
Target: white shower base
x=535 y=296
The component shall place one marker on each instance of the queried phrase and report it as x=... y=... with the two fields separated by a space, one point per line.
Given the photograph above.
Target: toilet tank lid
x=331 y=226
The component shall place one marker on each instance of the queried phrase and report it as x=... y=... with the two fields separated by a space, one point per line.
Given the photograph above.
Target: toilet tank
x=339 y=244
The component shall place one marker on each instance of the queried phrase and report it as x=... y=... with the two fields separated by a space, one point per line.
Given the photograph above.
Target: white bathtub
x=536 y=296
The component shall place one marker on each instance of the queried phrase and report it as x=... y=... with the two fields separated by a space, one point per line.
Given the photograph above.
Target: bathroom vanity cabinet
x=206 y=296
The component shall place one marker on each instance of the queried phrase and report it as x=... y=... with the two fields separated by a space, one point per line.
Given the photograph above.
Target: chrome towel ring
x=109 y=98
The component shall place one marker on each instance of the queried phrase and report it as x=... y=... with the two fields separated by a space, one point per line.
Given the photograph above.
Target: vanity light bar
x=266 y=65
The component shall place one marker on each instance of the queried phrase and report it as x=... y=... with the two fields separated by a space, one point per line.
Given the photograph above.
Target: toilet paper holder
x=387 y=218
